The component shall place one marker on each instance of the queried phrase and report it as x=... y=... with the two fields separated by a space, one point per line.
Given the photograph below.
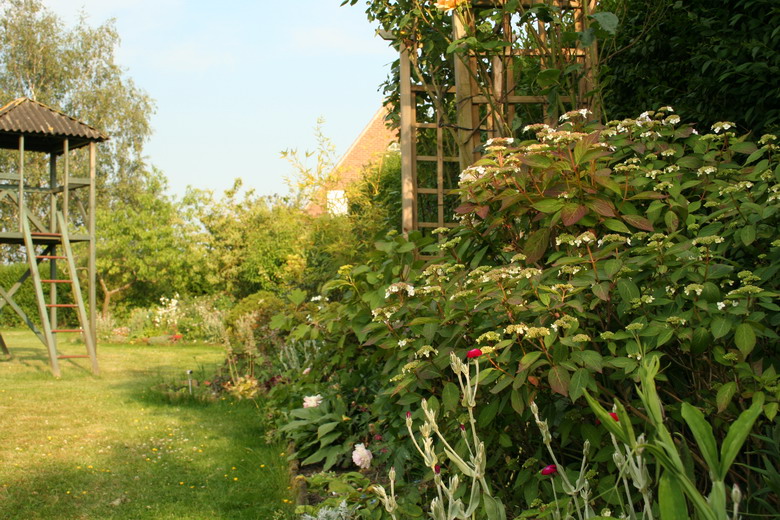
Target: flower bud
x=552 y=469
x=473 y=353
x=736 y=494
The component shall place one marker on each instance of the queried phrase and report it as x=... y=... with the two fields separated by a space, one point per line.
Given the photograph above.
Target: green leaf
x=671 y=500
x=745 y=338
x=725 y=394
x=529 y=359
x=720 y=327
x=548 y=77
x=627 y=289
x=748 y=235
x=702 y=432
x=548 y=205
x=578 y=382
x=690 y=161
x=607 y=21
x=326 y=428
x=745 y=147
x=616 y=225
x=558 y=377
x=494 y=509
x=297 y=296
x=738 y=432
x=450 y=395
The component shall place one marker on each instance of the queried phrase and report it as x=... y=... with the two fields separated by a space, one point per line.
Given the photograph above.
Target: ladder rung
x=56 y=281
x=62 y=305
x=46 y=234
x=72 y=357
x=51 y=257
x=67 y=330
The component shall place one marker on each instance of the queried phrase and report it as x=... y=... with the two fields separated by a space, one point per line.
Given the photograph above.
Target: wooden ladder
x=50 y=254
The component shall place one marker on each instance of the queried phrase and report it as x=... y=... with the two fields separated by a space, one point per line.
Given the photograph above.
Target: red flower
x=437 y=469
x=473 y=353
x=408 y=415
x=611 y=414
x=552 y=469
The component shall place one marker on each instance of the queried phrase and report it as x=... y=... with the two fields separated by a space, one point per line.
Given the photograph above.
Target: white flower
x=306 y=372
x=361 y=456
x=312 y=401
x=721 y=306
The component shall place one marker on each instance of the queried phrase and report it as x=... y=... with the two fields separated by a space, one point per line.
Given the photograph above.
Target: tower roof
x=44 y=128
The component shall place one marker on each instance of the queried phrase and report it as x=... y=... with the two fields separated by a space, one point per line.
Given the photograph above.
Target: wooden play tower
x=63 y=214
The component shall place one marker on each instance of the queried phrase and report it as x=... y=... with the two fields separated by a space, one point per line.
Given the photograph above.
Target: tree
x=147 y=247
x=74 y=70
x=712 y=61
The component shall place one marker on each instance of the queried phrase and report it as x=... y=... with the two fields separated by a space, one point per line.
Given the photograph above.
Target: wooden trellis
x=48 y=230
x=430 y=176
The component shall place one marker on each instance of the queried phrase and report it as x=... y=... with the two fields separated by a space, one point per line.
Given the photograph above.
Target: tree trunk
x=107 y=294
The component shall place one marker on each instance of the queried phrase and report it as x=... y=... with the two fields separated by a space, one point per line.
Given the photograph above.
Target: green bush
x=580 y=253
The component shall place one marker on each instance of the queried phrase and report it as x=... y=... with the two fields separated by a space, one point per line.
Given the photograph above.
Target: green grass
x=109 y=447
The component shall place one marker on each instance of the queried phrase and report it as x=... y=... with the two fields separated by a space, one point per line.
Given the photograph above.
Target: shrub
x=580 y=253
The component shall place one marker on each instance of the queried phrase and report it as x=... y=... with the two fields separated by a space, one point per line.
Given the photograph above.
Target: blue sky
x=259 y=72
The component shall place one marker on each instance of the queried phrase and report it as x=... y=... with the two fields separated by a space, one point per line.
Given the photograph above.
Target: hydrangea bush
x=581 y=253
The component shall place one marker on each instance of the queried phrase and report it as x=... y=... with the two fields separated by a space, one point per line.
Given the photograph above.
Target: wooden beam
x=408 y=152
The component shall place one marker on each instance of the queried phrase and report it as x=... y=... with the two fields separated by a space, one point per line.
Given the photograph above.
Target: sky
x=259 y=73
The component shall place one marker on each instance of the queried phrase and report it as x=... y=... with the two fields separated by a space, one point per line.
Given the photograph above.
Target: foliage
x=710 y=60
x=375 y=200
x=579 y=254
x=144 y=248
x=676 y=482
x=543 y=27
x=348 y=492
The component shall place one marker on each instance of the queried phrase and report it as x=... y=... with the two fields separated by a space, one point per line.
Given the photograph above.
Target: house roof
x=44 y=128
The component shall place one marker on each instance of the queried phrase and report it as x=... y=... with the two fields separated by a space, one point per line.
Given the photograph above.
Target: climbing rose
x=361 y=456
x=473 y=353
x=552 y=469
x=312 y=401
x=449 y=5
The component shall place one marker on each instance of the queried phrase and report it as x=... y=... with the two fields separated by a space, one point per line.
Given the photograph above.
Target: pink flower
x=361 y=456
x=473 y=353
x=552 y=469
x=312 y=401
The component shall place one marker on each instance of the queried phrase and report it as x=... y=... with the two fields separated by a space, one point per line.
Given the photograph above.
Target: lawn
x=111 y=447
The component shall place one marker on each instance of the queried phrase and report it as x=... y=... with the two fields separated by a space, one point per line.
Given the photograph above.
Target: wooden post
x=53 y=251
x=408 y=188
x=92 y=262
x=21 y=182
x=66 y=181
x=463 y=98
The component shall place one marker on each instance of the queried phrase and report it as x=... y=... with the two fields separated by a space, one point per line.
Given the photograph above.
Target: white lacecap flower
x=361 y=456
x=312 y=401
